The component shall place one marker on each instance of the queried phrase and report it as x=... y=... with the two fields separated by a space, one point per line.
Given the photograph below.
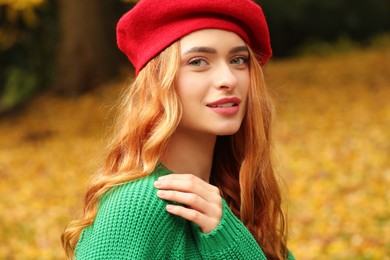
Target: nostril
x=225 y=77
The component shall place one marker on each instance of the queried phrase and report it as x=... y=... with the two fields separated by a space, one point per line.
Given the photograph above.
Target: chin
x=228 y=129
x=226 y=132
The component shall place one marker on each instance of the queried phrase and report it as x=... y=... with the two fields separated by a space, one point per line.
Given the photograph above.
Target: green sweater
x=132 y=223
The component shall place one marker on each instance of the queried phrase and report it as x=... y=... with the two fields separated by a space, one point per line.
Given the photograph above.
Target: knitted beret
x=153 y=25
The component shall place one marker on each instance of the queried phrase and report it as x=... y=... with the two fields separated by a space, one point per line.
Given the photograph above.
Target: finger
x=185 y=182
x=189 y=177
x=190 y=199
x=207 y=224
x=187 y=187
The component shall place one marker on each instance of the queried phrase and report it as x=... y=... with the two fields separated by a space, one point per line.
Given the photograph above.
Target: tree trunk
x=86 y=55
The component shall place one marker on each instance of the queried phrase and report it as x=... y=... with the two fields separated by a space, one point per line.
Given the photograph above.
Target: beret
x=152 y=25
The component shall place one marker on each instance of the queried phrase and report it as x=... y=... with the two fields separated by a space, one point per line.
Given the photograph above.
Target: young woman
x=188 y=174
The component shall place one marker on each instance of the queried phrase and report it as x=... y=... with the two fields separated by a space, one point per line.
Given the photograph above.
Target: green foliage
x=342 y=45
x=27 y=42
x=323 y=48
x=381 y=41
x=292 y=22
x=19 y=86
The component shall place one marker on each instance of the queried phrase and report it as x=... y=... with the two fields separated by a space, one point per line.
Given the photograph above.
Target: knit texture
x=132 y=223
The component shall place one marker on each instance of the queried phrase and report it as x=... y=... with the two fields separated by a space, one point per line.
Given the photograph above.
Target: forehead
x=213 y=38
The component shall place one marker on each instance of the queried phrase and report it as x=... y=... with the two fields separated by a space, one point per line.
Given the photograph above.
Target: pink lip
x=226 y=111
x=224 y=101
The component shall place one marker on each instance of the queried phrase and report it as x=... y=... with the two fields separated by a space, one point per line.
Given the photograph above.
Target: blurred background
x=61 y=74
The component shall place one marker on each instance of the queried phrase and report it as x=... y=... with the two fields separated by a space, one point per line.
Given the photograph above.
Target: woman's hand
x=203 y=201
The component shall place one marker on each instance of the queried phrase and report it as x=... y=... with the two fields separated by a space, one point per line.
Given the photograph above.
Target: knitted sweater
x=132 y=223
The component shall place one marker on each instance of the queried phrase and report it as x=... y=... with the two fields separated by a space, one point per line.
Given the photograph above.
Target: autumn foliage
x=332 y=149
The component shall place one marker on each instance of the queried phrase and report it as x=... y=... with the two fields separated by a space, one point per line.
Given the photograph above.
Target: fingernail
x=169 y=207
x=161 y=193
x=157 y=184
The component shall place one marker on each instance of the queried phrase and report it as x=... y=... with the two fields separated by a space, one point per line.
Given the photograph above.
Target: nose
x=225 y=77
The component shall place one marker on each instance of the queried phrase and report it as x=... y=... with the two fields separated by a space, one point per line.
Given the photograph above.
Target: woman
x=188 y=174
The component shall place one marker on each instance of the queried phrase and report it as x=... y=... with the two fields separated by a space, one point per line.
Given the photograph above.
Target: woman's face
x=213 y=82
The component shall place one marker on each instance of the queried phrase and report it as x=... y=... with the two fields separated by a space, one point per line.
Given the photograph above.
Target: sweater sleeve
x=230 y=240
x=128 y=225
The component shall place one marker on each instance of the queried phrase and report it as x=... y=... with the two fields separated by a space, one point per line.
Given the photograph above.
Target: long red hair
x=244 y=171
x=148 y=116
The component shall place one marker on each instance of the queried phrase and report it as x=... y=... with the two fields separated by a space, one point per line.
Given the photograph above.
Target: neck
x=188 y=152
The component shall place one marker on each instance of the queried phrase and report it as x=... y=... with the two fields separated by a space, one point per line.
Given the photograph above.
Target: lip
x=222 y=101
x=217 y=106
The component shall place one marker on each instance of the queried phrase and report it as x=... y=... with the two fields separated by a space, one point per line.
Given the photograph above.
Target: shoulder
x=128 y=220
x=132 y=199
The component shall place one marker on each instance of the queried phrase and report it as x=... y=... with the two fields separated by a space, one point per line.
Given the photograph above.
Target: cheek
x=191 y=88
x=183 y=88
x=184 y=84
x=187 y=94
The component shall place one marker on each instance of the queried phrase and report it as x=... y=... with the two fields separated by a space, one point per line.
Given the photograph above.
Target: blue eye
x=197 y=62
x=239 y=60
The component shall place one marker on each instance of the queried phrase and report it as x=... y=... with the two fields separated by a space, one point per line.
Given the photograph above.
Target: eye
x=198 y=62
x=239 y=60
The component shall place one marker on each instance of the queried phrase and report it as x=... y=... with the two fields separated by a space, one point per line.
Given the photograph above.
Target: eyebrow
x=239 y=49
x=201 y=49
x=213 y=51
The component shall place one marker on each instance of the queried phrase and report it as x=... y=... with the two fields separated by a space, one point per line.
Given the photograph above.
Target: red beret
x=153 y=25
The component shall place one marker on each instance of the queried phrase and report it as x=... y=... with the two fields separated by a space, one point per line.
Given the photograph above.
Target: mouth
x=225 y=102
x=229 y=106
x=224 y=105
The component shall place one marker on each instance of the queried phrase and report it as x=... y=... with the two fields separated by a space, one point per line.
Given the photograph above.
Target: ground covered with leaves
x=332 y=148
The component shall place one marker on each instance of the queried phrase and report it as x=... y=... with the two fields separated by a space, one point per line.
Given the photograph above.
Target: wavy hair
x=243 y=170
x=148 y=116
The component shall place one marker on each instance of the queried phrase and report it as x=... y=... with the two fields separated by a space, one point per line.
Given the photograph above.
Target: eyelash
x=201 y=59
x=197 y=59
x=244 y=59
